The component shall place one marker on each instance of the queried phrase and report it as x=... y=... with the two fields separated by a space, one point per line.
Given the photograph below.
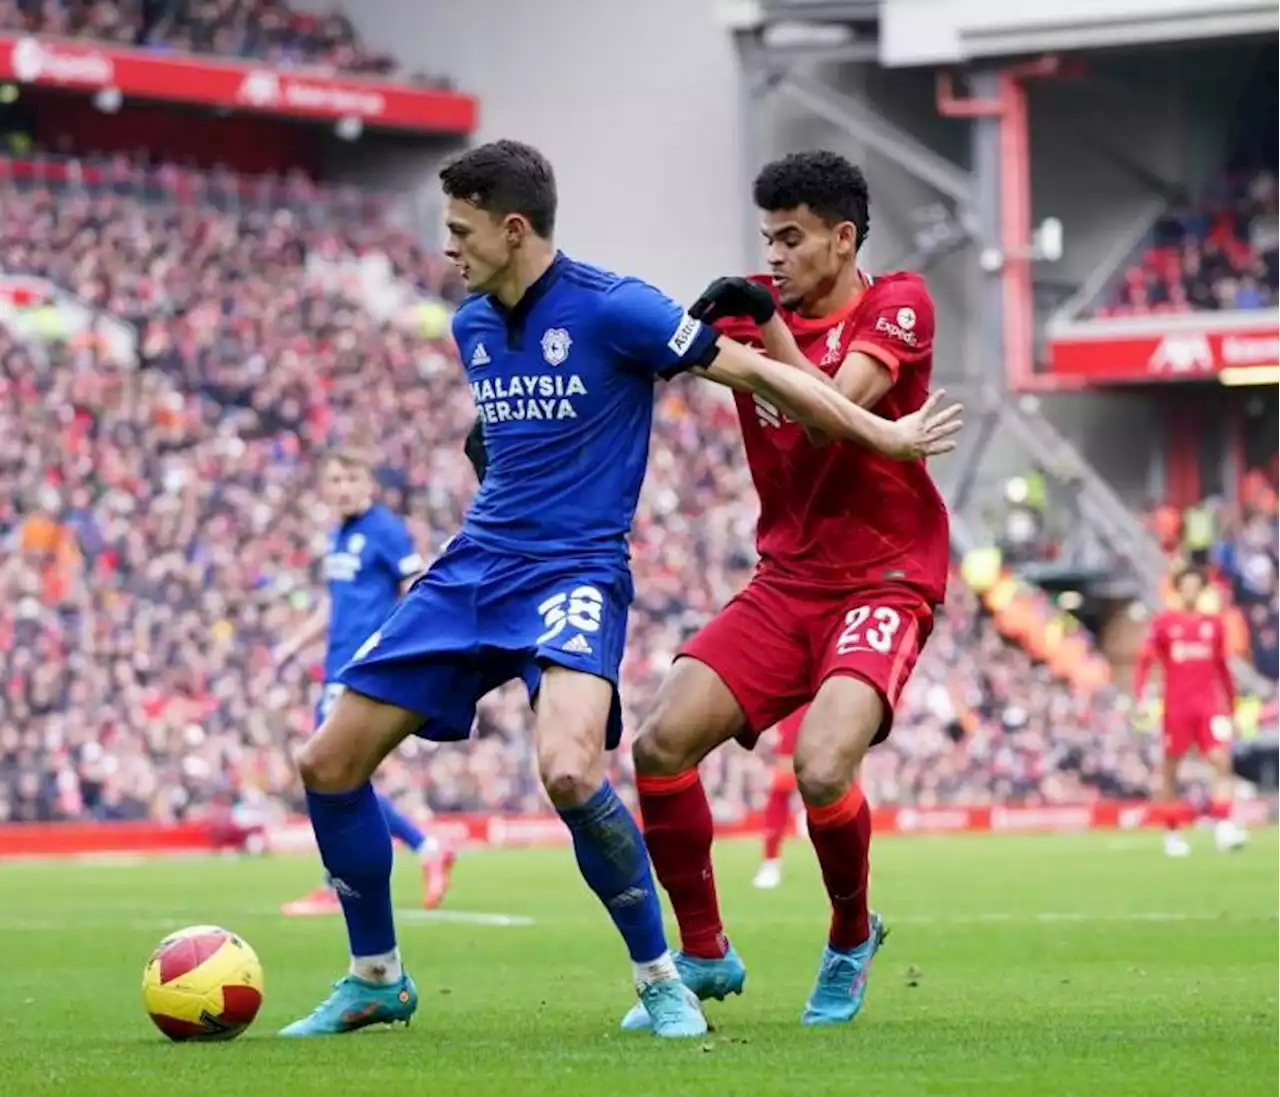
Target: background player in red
x=777 y=808
x=853 y=558
x=1199 y=698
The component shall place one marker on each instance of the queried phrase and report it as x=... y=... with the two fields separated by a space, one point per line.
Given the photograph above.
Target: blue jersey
x=538 y=576
x=563 y=384
x=370 y=555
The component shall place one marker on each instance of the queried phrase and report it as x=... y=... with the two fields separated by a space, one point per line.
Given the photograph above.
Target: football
x=202 y=983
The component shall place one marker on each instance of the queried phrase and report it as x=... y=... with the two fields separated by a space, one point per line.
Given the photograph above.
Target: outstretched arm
x=818 y=405
x=309 y=632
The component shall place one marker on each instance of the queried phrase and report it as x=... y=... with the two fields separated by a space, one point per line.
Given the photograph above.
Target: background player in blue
x=370 y=560
x=561 y=358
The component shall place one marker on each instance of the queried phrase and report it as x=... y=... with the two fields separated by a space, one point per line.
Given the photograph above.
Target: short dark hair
x=1189 y=571
x=505 y=177
x=831 y=186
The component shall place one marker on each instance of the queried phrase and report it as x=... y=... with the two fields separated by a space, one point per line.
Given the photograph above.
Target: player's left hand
x=734 y=297
x=928 y=431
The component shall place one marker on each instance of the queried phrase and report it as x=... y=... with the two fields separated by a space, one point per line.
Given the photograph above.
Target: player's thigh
x=694 y=712
x=1213 y=735
x=1179 y=737
x=757 y=649
x=572 y=712
x=423 y=659
x=842 y=722
x=865 y=648
x=874 y=637
x=356 y=735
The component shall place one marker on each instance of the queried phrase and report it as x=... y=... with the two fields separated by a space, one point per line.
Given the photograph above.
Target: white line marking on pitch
x=463 y=917
x=1073 y=916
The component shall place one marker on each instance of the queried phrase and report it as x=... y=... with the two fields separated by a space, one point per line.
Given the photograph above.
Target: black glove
x=475 y=451
x=734 y=297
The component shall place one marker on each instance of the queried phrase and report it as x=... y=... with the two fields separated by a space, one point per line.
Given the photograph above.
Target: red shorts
x=1204 y=731
x=789 y=732
x=773 y=646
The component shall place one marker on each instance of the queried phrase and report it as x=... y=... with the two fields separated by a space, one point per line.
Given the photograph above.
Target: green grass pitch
x=1047 y=966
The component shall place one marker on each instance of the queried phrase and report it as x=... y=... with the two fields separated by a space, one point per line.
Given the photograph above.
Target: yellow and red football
x=202 y=983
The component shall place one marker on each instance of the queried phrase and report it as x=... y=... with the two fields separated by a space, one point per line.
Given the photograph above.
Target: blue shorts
x=480 y=618
x=328 y=698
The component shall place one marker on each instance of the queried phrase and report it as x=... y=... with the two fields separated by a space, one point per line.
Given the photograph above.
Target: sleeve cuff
x=881 y=354
x=702 y=352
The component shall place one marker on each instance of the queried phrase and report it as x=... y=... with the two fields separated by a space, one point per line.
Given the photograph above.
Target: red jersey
x=840 y=515
x=1191 y=649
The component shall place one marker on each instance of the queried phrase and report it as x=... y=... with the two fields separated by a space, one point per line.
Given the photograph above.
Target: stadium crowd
x=1216 y=254
x=262 y=30
x=161 y=531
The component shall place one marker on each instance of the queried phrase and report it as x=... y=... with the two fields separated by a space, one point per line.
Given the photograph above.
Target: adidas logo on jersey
x=577 y=646
x=480 y=356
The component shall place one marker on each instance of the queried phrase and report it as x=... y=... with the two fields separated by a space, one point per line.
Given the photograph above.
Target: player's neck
x=846 y=288
x=529 y=264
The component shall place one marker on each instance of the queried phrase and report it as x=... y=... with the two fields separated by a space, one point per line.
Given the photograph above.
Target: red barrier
x=60 y=839
x=509 y=831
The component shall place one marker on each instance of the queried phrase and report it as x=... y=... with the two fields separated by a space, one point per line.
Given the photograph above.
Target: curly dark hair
x=505 y=177
x=833 y=187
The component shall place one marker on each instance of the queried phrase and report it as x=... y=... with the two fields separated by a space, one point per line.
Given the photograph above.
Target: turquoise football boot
x=355 y=1004
x=842 y=980
x=706 y=978
x=673 y=1009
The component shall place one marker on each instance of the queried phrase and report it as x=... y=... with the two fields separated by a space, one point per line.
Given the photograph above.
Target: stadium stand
x=162 y=526
x=265 y=30
x=1219 y=254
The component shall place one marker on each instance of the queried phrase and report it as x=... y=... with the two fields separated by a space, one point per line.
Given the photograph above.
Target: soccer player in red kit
x=777 y=807
x=853 y=558
x=1199 y=699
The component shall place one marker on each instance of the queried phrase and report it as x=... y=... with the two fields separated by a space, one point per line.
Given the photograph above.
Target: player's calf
x=846 y=717
x=355 y=847
x=573 y=711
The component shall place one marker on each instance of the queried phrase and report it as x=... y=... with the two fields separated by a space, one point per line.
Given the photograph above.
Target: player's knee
x=325 y=767
x=659 y=750
x=570 y=775
x=822 y=776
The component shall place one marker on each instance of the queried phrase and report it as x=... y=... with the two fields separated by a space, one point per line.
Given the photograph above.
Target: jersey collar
x=812 y=325
x=516 y=316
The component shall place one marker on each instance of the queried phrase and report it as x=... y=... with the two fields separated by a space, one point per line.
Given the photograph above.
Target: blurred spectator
x=264 y=30
x=1220 y=254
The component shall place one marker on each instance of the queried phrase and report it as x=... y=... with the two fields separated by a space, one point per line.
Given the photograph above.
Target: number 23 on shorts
x=869 y=628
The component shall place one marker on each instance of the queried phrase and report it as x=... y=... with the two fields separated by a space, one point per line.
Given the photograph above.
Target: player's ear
x=516 y=229
x=846 y=238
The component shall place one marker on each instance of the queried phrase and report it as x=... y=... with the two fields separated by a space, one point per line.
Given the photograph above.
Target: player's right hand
x=734 y=297
x=928 y=431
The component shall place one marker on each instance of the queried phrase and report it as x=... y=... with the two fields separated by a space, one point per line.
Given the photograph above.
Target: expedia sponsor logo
x=896 y=331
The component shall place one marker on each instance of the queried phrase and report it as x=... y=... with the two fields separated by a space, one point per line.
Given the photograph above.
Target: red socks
x=777 y=815
x=678 y=830
x=841 y=836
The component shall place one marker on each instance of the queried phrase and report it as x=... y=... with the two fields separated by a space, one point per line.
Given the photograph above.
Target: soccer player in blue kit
x=370 y=561
x=561 y=358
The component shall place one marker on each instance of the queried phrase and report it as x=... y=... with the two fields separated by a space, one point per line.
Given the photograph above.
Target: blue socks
x=615 y=864
x=355 y=847
x=402 y=828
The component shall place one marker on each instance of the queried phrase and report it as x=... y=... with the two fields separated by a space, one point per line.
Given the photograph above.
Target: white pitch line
x=1073 y=916
x=463 y=917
